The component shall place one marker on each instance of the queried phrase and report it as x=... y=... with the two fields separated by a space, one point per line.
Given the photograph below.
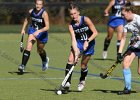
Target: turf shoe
x=45 y=64
x=21 y=68
x=104 y=54
x=125 y=91
x=81 y=85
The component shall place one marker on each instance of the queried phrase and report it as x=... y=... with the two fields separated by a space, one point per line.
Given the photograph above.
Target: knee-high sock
x=106 y=44
x=127 y=78
x=68 y=67
x=43 y=56
x=118 y=45
x=25 y=57
x=84 y=73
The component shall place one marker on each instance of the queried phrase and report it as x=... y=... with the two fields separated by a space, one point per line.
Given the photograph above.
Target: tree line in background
x=14 y=11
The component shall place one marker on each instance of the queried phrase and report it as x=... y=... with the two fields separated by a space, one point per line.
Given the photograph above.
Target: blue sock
x=127 y=78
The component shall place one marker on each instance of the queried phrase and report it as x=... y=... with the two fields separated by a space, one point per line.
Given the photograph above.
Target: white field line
x=59 y=78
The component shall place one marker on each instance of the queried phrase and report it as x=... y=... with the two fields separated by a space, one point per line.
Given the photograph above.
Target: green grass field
x=38 y=85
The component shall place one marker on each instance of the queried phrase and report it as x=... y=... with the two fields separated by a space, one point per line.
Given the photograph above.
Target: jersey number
x=84 y=36
x=36 y=26
x=118 y=13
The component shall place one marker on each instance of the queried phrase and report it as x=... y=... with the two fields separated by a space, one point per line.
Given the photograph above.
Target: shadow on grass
x=19 y=73
x=54 y=90
x=109 y=59
x=111 y=91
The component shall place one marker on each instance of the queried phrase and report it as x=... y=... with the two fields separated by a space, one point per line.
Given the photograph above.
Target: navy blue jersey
x=37 y=21
x=82 y=31
x=116 y=9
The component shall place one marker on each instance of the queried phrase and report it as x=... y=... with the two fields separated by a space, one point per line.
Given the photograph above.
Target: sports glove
x=134 y=39
x=119 y=57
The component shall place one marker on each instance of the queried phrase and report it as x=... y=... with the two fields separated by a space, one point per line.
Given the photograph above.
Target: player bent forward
x=133 y=26
x=83 y=35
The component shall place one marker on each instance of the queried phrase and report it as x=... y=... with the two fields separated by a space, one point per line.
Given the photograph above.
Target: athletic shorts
x=42 y=37
x=90 y=49
x=136 y=51
x=116 y=21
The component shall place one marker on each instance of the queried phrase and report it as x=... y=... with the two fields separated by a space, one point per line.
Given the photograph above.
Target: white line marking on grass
x=53 y=78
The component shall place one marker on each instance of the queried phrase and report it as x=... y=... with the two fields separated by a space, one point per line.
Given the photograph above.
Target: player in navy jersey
x=116 y=22
x=83 y=35
x=37 y=32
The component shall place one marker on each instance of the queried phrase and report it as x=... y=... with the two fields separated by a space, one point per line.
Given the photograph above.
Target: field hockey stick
x=21 y=43
x=61 y=87
x=110 y=70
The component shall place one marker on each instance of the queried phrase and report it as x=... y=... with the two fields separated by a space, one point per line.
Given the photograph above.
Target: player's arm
x=94 y=31
x=92 y=28
x=106 y=11
x=74 y=42
x=25 y=23
x=122 y=43
x=46 y=20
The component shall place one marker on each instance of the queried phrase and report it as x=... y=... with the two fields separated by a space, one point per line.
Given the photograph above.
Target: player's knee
x=32 y=41
x=109 y=37
x=70 y=61
x=83 y=65
x=40 y=50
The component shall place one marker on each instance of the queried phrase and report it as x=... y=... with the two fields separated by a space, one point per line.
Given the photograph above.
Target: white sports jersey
x=134 y=28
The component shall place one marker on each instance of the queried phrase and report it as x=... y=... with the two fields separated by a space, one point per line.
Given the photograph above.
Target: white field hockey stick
x=61 y=87
x=21 y=44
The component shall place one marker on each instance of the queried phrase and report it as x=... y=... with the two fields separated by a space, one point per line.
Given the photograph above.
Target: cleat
x=104 y=54
x=21 y=68
x=125 y=91
x=81 y=85
x=45 y=64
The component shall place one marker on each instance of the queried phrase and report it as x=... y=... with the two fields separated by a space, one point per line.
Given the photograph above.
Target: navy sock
x=84 y=73
x=68 y=67
x=118 y=45
x=25 y=57
x=106 y=44
x=43 y=56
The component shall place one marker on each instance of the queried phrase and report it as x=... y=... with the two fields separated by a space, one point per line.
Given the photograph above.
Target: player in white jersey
x=132 y=26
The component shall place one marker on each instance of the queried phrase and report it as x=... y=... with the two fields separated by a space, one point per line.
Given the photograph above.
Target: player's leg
x=84 y=71
x=43 y=55
x=119 y=36
x=26 y=53
x=107 y=41
x=127 y=73
x=68 y=67
x=139 y=65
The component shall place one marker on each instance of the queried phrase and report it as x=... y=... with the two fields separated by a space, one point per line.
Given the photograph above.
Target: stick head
x=21 y=49
x=103 y=76
x=64 y=90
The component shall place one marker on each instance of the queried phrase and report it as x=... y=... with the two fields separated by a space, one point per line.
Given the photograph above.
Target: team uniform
x=82 y=33
x=37 y=22
x=134 y=47
x=116 y=19
x=134 y=28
